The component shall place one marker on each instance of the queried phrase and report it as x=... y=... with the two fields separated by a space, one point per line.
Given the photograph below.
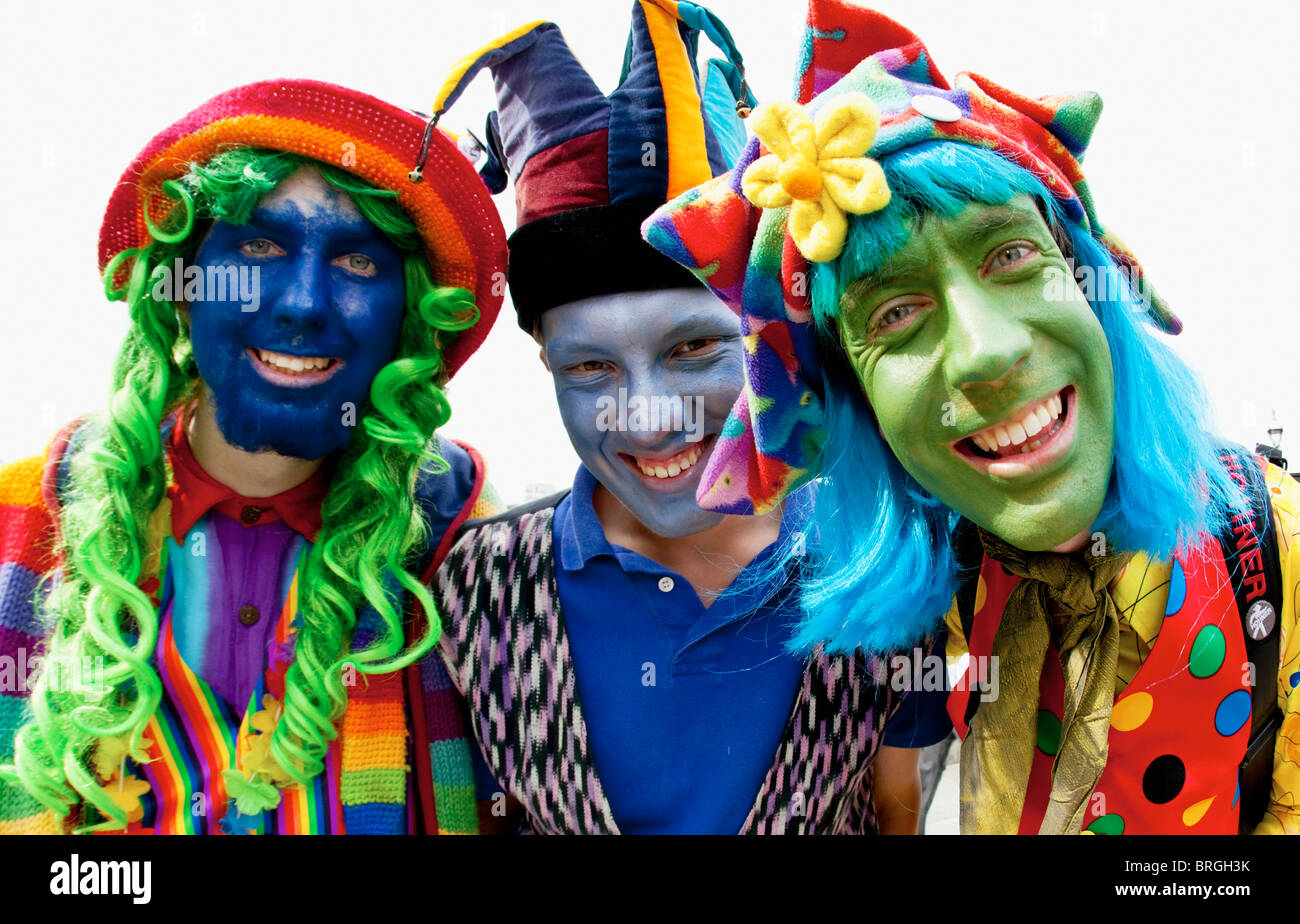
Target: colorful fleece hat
x=588 y=168
x=453 y=210
x=869 y=87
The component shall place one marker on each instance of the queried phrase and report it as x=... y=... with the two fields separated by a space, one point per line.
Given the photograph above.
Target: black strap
x=551 y=500
x=1251 y=555
x=969 y=552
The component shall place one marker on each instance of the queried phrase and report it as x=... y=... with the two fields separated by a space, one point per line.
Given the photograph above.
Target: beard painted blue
x=294 y=375
x=644 y=382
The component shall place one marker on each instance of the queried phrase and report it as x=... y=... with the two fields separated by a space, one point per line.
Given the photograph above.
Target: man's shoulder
x=544 y=506
x=28 y=504
x=1284 y=493
x=503 y=536
x=486 y=545
x=450 y=493
x=438 y=489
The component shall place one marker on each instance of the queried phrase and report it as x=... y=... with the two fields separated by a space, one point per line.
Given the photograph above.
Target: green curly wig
x=371 y=526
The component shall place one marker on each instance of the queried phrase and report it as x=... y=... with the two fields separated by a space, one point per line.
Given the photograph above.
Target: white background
x=1194 y=164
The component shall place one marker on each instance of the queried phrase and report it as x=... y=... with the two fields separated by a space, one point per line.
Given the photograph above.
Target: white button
x=936 y=108
x=666 y=584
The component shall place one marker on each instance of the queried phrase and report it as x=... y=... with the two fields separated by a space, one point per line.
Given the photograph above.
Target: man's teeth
x=669 y=468
x=1018 y=435
x=287 y=363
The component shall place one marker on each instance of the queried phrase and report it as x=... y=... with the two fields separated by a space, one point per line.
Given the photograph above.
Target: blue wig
x=880 y=572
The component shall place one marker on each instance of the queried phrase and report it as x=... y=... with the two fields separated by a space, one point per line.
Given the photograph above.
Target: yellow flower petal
x=857 y=184
x=126 y=793
x=760 y=185
x=846 y=126
x=110 y=752
x=786 y=130
x=818 y=228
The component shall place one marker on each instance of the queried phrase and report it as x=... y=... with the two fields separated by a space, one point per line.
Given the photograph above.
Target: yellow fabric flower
x=820 y=170
x=254 y=750
x=127 y=795
x=110 y=753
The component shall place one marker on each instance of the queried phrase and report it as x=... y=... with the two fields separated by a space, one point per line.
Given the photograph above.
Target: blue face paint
x=645 y=381
x=293 y=375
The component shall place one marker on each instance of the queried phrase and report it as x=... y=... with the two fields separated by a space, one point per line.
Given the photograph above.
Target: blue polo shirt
x=684 y=705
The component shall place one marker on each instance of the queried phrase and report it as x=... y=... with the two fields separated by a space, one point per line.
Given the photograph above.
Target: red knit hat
x=453 y=211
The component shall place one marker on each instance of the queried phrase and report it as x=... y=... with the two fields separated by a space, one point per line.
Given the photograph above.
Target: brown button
x=251 y=514
x=248 y=614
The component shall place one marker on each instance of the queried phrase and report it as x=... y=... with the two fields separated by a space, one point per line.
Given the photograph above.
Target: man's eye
x=698 y=345
x=894 y=316
x=358 y=264
x=260 y=247
x=588 y=367
x=1010 y=256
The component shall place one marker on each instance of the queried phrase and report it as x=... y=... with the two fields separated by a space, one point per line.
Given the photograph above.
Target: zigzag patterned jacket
x=505 y=646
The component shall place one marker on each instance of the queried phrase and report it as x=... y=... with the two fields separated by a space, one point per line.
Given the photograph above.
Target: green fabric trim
x=457 y=809
x=357 y=787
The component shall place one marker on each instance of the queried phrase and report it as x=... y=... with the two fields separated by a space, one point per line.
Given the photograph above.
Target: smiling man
x=205 y=571
x=957 y=318
x=946 y=334
x=625 y=671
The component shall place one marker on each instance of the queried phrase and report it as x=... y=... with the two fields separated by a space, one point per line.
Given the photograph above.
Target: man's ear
x=541 y=343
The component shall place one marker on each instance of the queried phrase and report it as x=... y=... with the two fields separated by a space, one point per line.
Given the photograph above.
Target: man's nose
x=984 y=339
x=661 y=396
x=303 y=298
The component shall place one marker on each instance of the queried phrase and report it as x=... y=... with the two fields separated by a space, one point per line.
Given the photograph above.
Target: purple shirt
x=229 y=583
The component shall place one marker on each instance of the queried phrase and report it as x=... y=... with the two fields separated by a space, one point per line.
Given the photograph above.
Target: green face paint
x=988 y=372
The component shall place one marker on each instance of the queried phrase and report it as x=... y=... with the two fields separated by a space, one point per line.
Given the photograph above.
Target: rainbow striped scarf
x=195 y=738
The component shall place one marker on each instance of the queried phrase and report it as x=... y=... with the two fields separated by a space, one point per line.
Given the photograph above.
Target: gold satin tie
x=1061 y=598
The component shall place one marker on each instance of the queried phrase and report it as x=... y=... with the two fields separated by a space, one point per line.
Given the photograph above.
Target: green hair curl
x=371 y=526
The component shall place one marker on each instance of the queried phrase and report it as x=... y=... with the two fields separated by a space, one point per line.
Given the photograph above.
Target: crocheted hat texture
x=588 y=168
x=376 y=141
x=869 y=82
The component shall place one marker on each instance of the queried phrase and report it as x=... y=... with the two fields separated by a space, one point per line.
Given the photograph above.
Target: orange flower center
x=800 y=179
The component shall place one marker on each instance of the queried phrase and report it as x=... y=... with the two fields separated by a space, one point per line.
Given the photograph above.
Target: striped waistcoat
x=505 y=646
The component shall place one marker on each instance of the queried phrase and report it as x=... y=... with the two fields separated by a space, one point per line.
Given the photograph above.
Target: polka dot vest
x=1179 y=729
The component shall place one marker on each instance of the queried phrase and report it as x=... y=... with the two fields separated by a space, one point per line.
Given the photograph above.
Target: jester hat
x=866 y=85
x=464 y=239
x=588 y=168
